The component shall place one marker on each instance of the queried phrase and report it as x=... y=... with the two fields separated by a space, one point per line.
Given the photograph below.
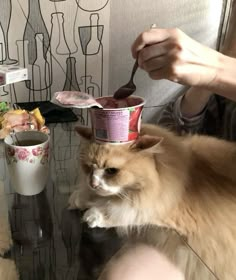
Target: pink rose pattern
x=13 y=155
x=22 y=153
x=37 y=151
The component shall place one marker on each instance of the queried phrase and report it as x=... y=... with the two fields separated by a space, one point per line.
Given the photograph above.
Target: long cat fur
x=187 y=184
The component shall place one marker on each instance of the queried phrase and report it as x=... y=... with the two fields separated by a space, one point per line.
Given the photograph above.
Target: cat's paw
x=94 y=218
x=75 y=201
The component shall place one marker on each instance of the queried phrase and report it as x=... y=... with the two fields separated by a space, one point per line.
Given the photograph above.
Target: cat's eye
x=111 y=171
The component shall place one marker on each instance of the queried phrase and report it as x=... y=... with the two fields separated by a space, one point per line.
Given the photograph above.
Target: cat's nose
x=94 y=182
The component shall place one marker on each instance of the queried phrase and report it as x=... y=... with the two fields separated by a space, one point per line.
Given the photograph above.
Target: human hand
x=171 y=54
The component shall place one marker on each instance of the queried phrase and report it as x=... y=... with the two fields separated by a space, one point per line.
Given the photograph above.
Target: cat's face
x=108 y=169
x=116 y=169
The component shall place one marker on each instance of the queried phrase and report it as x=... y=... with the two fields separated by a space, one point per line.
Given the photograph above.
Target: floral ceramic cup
x=27 y=157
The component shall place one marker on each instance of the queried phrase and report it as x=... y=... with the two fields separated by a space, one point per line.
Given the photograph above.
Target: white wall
x=198 y=18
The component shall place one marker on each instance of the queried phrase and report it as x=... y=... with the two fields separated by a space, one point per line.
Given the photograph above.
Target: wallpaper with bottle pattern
x=63 y=43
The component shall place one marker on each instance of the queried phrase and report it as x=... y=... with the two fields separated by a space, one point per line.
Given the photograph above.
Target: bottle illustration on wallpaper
x=92 y=5
x=22 y=55
x=58 y=41
x=41 y=76
x=92 y=48
x=2 y=46
x=71 y=16
x=94 y=44
x=59 y=51
x=46 y=47
x=35 y=25
x=87 y=85
x=5 y=17
x=71 y=82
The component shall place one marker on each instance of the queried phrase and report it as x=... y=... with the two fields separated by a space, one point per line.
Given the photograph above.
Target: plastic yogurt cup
x=113 y=120
x=118 y=121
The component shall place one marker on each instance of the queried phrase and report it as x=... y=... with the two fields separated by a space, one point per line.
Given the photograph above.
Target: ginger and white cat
x=187 y=184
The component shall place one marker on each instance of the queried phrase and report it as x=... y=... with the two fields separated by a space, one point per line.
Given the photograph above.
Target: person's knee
x=141 y=262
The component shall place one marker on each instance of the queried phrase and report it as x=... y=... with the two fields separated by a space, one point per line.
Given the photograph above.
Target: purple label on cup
x=111 y=126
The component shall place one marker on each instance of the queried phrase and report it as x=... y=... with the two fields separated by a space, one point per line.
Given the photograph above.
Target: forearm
x=194 y=101
x=224 y=83
x=173 y=118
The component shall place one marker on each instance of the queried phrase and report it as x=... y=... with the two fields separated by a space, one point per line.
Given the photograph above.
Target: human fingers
x=149 y=37
x=170 y=65
x=154 y=56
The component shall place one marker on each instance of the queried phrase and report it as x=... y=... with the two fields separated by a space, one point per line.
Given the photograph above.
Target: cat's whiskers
x=119 y=195
x=163 y=164
x=124 y=196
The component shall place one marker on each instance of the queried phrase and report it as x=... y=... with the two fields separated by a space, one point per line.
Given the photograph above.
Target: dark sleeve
x=206 y=122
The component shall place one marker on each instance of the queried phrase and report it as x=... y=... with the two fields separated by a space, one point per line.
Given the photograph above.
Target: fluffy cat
x=187 y=184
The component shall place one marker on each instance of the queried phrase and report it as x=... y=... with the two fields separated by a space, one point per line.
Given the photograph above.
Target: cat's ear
x=84 y=132
x=148 y=143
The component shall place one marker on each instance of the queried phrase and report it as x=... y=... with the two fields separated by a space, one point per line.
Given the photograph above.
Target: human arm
x=194 y=101
x=171 y=54
x=208 y=121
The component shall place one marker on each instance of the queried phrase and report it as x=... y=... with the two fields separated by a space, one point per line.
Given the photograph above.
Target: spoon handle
x=135 y=67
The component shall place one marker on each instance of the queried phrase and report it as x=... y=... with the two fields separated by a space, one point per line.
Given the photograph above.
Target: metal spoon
x=14 y=138
x=129 y=88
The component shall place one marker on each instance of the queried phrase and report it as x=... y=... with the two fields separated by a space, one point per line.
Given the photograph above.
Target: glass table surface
x=41 y=239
